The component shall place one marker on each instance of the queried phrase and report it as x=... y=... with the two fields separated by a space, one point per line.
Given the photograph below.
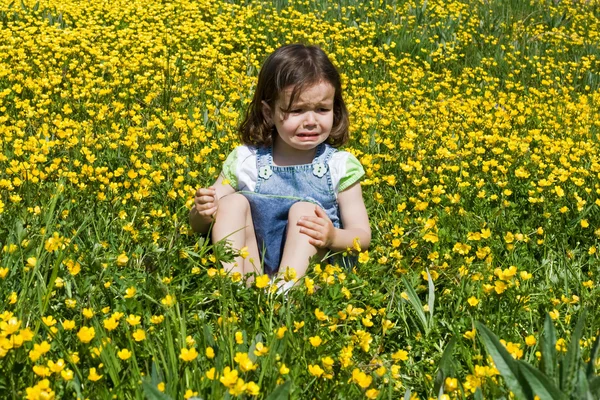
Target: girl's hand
x=206 y=201
x=318 y=228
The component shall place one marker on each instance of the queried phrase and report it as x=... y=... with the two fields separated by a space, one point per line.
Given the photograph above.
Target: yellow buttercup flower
x=93 y=375
x=188 y=355
x=262 y=281
x=124 y=354
x=86 y=334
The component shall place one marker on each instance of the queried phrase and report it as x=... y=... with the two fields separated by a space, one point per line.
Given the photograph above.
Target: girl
x=287 y=194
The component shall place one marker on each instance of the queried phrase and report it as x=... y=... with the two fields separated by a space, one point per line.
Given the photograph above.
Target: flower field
x=478 y=125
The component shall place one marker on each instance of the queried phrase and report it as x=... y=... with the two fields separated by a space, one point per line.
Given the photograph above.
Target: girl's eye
x=324 y=109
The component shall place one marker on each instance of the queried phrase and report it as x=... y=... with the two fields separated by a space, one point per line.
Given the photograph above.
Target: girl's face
x=307 y=124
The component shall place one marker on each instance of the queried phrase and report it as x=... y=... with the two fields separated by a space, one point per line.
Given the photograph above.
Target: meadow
x=477 y=122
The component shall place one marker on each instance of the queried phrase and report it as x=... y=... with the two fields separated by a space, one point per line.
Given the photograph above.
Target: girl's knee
x=301 y=209
x=234 y=201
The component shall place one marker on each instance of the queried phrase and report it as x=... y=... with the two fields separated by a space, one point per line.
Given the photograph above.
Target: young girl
x=287 y=194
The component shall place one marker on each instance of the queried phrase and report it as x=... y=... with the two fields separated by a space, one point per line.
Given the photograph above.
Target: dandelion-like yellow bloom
x=262 y=281
x=93 y=375
x=188 y=355
x=86 y=334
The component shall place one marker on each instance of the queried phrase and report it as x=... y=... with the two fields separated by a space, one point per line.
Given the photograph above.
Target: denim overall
x=277 y=189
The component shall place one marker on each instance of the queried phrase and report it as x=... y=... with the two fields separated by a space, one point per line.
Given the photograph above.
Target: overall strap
x=263 y=157
x=326 y=154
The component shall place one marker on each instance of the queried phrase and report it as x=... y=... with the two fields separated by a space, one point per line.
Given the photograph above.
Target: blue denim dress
x=277 y=189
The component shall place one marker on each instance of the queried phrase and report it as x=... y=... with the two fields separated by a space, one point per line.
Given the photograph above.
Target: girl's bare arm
x=354 y=218
x=355 y=221
x=206 y=204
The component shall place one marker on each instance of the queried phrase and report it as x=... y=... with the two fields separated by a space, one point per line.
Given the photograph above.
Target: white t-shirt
x=240 y=169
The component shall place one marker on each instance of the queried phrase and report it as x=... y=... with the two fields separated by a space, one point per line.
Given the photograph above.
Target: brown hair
x=299 y=66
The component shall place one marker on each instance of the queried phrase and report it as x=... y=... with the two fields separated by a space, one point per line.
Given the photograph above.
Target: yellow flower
x=320 y=315
x=244 y=252
x=88 y=313
x=450 y=384
x=66 y=374
x=315 y=341
x=290 y=274
x=260 y=349
x=372 y=393
x=122 y=260
x=168 y=300
x=133 y=320
x=470 y=334
x=86 y=334
x=530 y=340
x=188 y=355
x=189 y=393
x=473 y=301
x=210 y=374
x=229 y=378
x=57 y=366
x=41 y=371
x=110 y=324
x=554 y=314
x=362 y=379
x=3 y=273
x=262 y=281
x=281 y=332
x=157 y=319
x=210 y=353
x=139 y=335
x=315 y=370
x=161 y=386
x=252 y=389
x=239 y=337
x=363 y=257
x=283 y=370
x=298 y=325
x=244 y=362
x=130 y=292
x=401 y=355
x=93 y=375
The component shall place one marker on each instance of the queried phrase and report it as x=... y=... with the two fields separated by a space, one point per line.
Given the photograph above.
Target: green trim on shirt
x=230 y=169
x=354 y=171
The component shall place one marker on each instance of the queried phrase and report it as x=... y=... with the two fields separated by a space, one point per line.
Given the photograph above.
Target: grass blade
x=572 y=358
x=281 y=392
x=416 y=303
x=505 y=364
x=593 y=356
x=445 y=368
x=548 y=348
x=539 y=383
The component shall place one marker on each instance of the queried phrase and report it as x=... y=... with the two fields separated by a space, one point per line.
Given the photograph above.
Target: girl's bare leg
x=297 y=250
x=234 y=224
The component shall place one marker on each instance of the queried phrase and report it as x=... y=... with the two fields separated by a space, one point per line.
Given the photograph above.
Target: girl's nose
x=310 y=119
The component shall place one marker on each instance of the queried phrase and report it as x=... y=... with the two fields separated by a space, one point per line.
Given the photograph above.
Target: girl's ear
x=267 y=112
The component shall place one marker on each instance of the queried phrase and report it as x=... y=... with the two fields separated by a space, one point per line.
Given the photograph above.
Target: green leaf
x=445 y=368
x=593 y=356
x=539 y=383
x=548 y=348
x=152 y=392
x=478 y=394
x=416 y=303
x=431 y=297
x=281 y=392
x=505 y=363
x=594 y=385
x=572 y=358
